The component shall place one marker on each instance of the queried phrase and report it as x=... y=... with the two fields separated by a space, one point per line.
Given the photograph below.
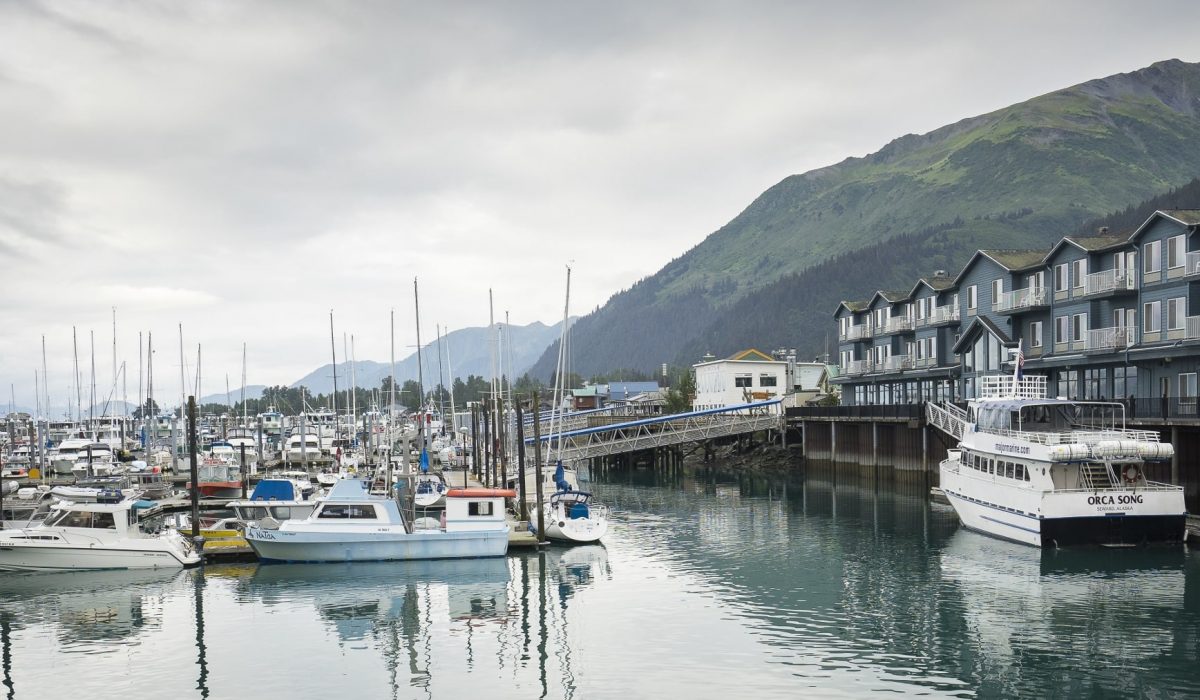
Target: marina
x=836 y=579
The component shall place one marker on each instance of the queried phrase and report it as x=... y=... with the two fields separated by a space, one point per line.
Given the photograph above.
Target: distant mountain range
x=470 y=352
x=1021 y=176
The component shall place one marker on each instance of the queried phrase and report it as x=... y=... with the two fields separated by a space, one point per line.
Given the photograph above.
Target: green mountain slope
x=1019 y=176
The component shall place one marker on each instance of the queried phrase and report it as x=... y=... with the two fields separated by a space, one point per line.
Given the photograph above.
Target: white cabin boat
x=430 y=491
x=81 y=536
x=573 y=517
x=1052 y=472
x=352 y=525
x=272 y=502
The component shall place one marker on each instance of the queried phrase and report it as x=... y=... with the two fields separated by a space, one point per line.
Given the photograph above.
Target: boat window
x=347 y=512
x=479 y=508
x=1020 y=472
x=104 y=520
x=1010 y=470
x=281 y=512
x=991 y=466
x=75 y=519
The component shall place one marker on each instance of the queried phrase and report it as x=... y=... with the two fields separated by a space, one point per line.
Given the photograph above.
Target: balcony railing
x=897 y=362
x=1115 y=280
x=1192 y=263
x=1115 y=338
x=859 y=366
x=897 y=324
x=1021 y=299
x=858 y=332
x=1192 y=328
x=943 y=314
x=921 y=362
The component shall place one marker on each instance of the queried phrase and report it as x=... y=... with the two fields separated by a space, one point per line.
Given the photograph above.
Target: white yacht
x=122 y=535
x=352 y=525
x=95 y=459
x=572 y=516
x=1052 y=472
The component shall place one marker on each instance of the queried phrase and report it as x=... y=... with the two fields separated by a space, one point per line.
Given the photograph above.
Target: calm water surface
x=708 y=586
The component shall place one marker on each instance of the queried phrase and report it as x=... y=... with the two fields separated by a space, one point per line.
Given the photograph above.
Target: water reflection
x=1025 y=610
x=91 y=611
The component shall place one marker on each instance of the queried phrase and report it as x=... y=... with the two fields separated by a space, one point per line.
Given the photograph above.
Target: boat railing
x=1085 y=437
x=1154 y=486
x=1004 y=386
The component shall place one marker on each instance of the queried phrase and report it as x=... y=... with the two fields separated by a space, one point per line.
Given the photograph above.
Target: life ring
x=1131 y=474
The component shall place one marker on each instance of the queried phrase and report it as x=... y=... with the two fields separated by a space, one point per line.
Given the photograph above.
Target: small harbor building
x=745 y=377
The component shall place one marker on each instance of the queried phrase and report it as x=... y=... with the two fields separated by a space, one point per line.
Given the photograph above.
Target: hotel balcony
x=942 y=315
x=1192 y=264
x=860 y=332
x=1020 y=300
x=859 y=366
x=897 y=324
x=1192 y=328
x=1109 y=282
x=895 y=363
x=925 y=362
x=1110 y=339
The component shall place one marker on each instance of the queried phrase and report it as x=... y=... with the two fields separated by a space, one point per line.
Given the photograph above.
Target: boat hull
x=1054 y=519
x=292 y=546
x=575 y=530
x=21 y=556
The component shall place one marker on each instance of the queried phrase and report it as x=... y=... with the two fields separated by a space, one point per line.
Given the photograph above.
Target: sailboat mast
x=441 y=380
x=333 y=353
x=149 y=405
x=353 y=385
x=420 y=374
x=244 y=422
x=75 y=346
x=182 y=383
x=450 y=375
x=92 y=395
x=392 y=398
x=45 y=377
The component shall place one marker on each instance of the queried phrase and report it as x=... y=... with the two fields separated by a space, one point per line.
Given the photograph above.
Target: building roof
x=1093 y=244
x=855 y=306
x=1013 y=260
x=893 y=296
x=751 y=355
x=974 y=328
x=937 y=284
x=1189 y=217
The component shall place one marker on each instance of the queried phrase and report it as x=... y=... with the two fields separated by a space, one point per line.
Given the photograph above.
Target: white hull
x=278 y=545
x=1018 y=513
x=576 y=531
x=75 y=556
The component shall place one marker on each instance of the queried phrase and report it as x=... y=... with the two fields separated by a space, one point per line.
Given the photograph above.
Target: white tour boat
x=1053 y=472
x=75 y=536
x=352 y=525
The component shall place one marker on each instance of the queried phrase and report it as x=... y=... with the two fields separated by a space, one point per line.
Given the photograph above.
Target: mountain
x=253 y=391
x=1021 y=176
x=470 y=352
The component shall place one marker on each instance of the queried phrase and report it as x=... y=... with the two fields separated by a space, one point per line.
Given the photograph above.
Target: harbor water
x=827 y=583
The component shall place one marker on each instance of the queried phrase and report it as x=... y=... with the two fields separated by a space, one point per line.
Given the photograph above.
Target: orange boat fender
x=481 y=493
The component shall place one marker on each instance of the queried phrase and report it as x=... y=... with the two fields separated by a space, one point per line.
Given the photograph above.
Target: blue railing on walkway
x=660 y=419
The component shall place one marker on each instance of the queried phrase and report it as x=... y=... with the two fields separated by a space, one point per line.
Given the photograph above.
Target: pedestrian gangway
x=573 y=420
x=663 y=431
x=947 y=417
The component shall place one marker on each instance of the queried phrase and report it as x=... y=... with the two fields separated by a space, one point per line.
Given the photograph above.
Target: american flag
x=1020 y=362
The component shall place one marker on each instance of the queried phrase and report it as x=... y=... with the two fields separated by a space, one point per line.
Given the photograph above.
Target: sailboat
x=571 y=516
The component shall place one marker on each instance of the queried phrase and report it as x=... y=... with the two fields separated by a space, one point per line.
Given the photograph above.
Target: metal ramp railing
x=947 y=417
x=664 y=431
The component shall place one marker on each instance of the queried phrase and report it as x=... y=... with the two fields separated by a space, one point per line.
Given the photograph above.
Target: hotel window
x=1152 y=254
x=1175 y=256
x=1036 y=281
x=997 y=291
x=880 y=317
x=932 y=353
x=766 y=380
x=1176 y=312
x=844 y=324
x=921 y=303
x=1151 y=317
x=1078 y=326
x=1062 y=327
x=1060 y=277
x=1187 y=388
x=743 y=380
x=1035 y=334
x=1079 y=272
x=954 y=303
x=1124 y=382
x=972 y=297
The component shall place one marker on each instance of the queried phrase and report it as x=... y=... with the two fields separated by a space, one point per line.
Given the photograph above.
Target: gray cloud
x=241 y=168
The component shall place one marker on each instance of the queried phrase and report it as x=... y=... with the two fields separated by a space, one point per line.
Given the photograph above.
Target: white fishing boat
x=1052 y=472
x=123 y=535
x=91 y=489
x=272 y=502
x=95 y=459
x=352 y=525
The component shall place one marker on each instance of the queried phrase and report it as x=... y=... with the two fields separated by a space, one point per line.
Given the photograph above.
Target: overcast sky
x=243 y=168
